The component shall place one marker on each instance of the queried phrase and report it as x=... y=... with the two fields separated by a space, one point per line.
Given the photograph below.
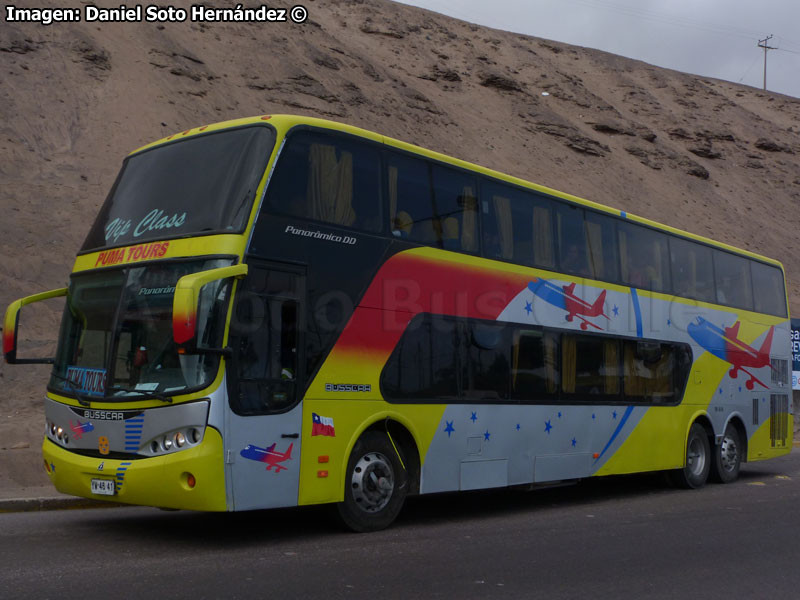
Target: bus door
x=265 y=386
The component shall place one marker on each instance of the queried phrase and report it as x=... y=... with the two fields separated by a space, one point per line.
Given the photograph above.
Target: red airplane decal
x=577 y=307
x=268 y=455
x=742 y=355
x=725 y=344
x=564 y=297
x=81 y=428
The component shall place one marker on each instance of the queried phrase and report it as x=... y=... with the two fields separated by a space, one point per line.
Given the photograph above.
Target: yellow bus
x=283 y=310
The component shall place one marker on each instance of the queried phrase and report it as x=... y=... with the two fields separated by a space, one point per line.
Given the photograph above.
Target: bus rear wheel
x=727 y=457
x=695 y=472
x=376 y=484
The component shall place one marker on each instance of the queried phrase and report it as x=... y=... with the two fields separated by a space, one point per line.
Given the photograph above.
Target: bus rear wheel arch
x=377 y=480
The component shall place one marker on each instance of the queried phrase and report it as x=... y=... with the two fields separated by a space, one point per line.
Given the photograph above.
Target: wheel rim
x=728 y=454
x=696 y=457
x=372 y=482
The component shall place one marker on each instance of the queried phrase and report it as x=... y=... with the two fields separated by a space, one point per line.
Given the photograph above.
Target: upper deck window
x=431 y=204
x=770 y=294
x=517 y=225
x=733 y=280
x=327 y=178
x=644 y=256
x=199 y=185
x=692 y=270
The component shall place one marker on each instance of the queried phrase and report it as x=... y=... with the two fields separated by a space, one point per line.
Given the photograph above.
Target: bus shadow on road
x=276 y=525
x=253 y=528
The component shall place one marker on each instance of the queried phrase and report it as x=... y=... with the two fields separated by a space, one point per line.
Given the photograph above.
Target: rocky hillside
x=708 y=156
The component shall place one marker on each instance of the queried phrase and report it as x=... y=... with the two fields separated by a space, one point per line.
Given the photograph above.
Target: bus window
x=534 y=365
x=486 y=375
x=543 y=252
x=655 y=372
x=327 y=178
x=453 y=213
x=733 y=280
x=424 y=366
x=692 y=270
x=590 y=365
x=644 y=257
x=770 y=296
x=264 y=330
x=499 y=237
x=573 y=253
x=601 y=246
x=409 y=185
x=517 y=225
x=202 y=184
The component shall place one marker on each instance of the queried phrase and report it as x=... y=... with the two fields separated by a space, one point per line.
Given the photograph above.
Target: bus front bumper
x=162 y=481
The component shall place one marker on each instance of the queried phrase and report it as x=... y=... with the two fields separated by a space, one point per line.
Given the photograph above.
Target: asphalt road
x=628 y=537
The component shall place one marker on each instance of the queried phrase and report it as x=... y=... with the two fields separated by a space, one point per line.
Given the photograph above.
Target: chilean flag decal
x=322 y=426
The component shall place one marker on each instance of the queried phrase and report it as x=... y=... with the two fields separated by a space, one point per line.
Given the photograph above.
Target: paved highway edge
x=10 y=505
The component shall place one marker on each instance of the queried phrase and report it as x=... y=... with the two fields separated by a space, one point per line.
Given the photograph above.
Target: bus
x=282 y=310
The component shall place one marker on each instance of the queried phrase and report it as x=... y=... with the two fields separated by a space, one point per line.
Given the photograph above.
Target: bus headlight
x=195 y=435
x=173 y=441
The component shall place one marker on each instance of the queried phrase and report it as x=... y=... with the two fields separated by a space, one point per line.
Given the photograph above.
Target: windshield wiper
x=145 y=393
x=82 y=400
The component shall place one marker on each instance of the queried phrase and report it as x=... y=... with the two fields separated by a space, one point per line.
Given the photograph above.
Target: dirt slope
x=708 y=156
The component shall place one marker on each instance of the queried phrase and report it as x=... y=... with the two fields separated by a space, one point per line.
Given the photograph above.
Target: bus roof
x=283 y=123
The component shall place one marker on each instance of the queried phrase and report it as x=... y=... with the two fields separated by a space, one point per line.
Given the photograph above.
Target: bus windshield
x=116 y=334
x=203 y=184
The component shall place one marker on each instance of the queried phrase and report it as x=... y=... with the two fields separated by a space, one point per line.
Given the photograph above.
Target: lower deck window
x=446 y=359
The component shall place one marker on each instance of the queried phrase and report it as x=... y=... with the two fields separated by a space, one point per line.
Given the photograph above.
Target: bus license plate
x=103 y=487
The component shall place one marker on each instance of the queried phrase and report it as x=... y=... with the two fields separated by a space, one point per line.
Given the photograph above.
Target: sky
x=712 y=38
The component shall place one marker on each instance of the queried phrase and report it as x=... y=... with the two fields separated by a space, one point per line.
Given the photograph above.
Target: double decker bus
x=282 y=310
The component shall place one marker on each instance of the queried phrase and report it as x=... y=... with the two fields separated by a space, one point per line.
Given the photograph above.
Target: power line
x=748 y=69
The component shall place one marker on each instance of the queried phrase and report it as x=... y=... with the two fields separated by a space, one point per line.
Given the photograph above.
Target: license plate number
x=103 y=487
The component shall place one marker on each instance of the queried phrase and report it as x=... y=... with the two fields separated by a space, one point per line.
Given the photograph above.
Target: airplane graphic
x=725 y=344
x=563 y=297
x=81 y=428
x=268 y=455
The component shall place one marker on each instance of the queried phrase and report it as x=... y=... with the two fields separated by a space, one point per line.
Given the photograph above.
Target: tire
x=376 y=484
x=727 y=457
x=695 y=472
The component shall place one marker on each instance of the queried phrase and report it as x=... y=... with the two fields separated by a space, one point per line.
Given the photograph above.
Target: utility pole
x=763 y=44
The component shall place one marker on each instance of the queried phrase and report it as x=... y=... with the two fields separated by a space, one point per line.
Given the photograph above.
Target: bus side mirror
x=11 y=327
x=185 y=303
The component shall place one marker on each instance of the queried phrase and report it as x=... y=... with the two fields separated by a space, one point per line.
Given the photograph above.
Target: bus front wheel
x=694 y=474
x=376 y=484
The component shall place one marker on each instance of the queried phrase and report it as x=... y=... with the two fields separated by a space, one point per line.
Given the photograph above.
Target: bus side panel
x=331 y=428
x=659 y=441
x=765 y=443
